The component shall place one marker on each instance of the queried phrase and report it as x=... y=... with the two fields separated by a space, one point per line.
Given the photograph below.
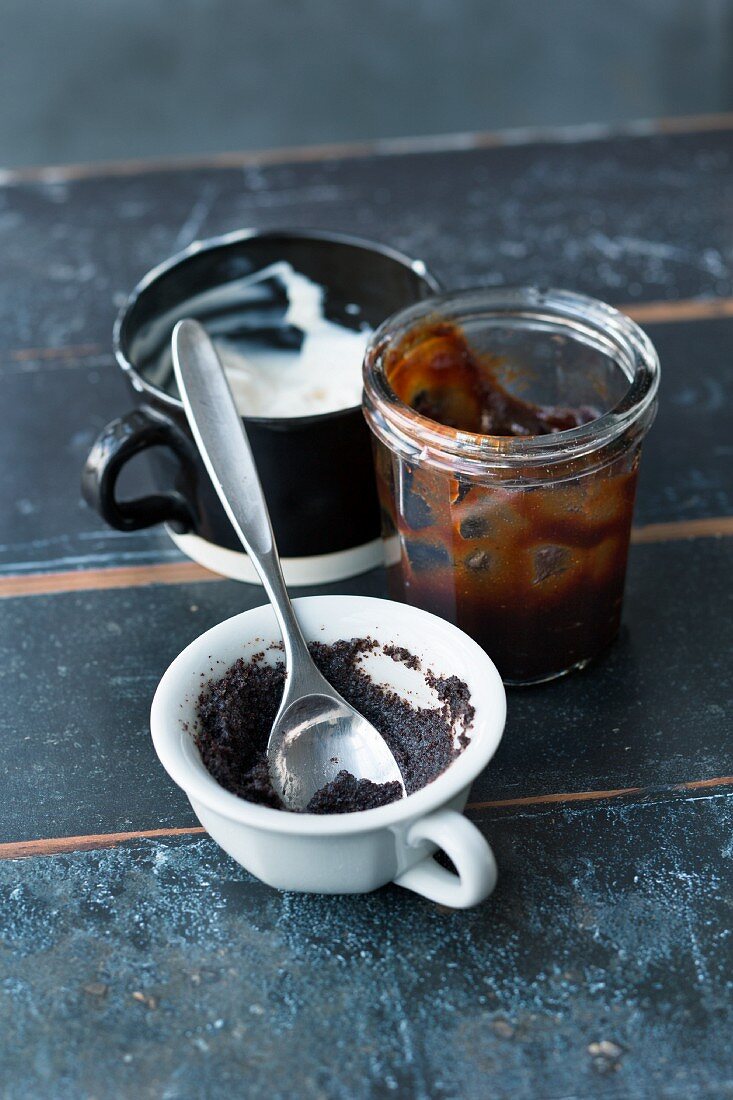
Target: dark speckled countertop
x=136 y=959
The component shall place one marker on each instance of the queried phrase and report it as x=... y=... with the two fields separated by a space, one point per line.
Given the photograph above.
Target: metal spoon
x=316 y=733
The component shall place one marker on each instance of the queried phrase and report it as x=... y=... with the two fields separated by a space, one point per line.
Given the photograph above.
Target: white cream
x=323 y=375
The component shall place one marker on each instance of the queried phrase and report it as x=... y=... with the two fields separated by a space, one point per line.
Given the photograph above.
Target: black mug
x=316 y=470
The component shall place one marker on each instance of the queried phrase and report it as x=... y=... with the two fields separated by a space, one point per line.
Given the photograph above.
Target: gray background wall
x=98 y=79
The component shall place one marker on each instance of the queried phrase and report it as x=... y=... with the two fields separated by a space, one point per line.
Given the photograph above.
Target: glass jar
x=520 y=540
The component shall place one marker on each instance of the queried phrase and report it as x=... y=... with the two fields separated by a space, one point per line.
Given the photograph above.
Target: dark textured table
x=137 y=960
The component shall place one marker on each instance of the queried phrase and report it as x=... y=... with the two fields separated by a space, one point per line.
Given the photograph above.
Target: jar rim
x=629 y=345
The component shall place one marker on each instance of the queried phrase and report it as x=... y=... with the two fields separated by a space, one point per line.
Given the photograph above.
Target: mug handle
x=468 y=850
x=117 y=443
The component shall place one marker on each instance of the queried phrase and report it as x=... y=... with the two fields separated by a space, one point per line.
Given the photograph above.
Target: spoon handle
x=224 y=447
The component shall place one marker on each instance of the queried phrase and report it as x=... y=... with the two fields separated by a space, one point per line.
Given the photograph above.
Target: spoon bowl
x=317 y=737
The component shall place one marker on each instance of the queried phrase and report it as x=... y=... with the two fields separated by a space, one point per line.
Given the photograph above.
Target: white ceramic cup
x=356 y=852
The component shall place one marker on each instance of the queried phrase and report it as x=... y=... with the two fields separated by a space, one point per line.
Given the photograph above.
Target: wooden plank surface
x=602 y=964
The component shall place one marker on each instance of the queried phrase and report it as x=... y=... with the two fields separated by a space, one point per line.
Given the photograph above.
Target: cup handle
x=117 y=443
x=468 y=850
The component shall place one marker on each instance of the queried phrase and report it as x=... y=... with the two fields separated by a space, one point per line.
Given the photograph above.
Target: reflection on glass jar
x=520 y=538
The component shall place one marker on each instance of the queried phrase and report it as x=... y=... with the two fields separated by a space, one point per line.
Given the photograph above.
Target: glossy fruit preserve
x=525 y=550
